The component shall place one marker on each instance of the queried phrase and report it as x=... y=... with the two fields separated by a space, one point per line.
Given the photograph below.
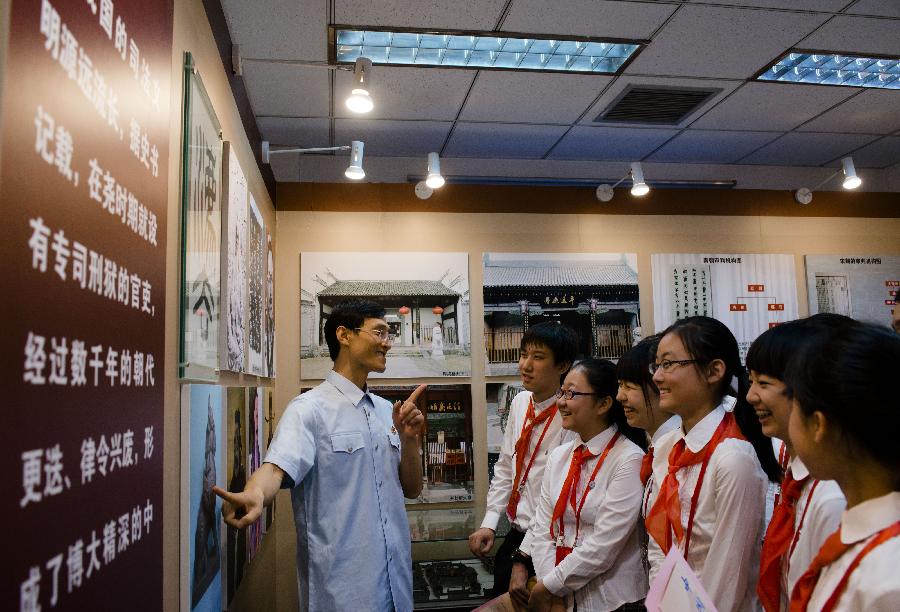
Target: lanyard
x=891 y=531
x=521 y=483
x=796 y=539
x=587 y=489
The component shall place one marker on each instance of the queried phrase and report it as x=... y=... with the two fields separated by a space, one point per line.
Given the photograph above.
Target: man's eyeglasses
x=569 y=395
x=383 y=335
x=667 y=365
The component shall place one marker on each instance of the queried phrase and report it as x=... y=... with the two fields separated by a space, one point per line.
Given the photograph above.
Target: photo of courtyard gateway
x=594 y=293
x=426 y=302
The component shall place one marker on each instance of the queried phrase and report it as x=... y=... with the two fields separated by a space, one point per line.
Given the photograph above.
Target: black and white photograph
x=594 y=293
x=234 y=263
x=426 y=301
x=256 y=274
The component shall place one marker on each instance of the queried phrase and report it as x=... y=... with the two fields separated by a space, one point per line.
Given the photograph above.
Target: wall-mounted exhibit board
x=747 y=292
x=860 y=286
x=83 y=187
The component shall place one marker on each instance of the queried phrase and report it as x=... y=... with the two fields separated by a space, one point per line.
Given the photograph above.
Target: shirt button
x=376 y=447
x=349 y=449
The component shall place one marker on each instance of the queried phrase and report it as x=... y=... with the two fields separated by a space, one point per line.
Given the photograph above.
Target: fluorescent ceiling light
x=355 y=170
x=478 y=50
x=434 y=179
x=825 y=68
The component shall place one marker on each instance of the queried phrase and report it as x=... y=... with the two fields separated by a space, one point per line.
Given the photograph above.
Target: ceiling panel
x=276 y=29
x=807 y=149
x=695 y=146
x=621 y=83
x=851 y=34
x=294 y=131
x=630 y=20
x=880 y=154
x=600 y=143
x=885 y=8
x=286 y=168
x=722 y=42
x=771 y=106
x=870 y=112
x=285 y=90
x=529 y=97
x=799 y=5
x=438 y=14
x=393 y=138
x=408 y=93
x=489 y=140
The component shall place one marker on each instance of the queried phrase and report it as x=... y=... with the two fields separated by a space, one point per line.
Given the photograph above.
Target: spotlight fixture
x=639 y=188
x=434 y=179
x=423 y=191
x=851 y=181
x=360 y=101
x=354 y=171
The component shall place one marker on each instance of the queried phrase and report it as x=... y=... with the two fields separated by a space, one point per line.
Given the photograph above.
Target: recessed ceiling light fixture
x=828 y=68
x=354 y=171
x=851 y=181
x=481 y=50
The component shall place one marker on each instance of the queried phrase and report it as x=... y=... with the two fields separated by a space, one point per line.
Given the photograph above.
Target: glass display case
x=454 y=583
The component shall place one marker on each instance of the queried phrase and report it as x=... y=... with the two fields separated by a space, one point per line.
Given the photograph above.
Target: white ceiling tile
x=531 y=97
x=629 y=20
x=294 y=131
x=722 y=42
x=806 y=149
x=798 y=5
x=850 y=34
x=279 y=29
x=286 y=90
x=393 y=138
x=489 y=140
x=601 y=143
x=624 y=81
x=437 y=14
x=696 y=146
x=873 y=111
x=771 y=106
x=882 y=153
x=409 y=92
x=885 y=8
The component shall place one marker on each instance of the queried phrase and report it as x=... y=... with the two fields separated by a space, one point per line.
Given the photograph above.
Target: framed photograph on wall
x=426 y=302
x=596 y=294
x=256 y=277
x=201 y=230
x=270 y=307
x=234 y=264
x=236 y=474
x=860 y=286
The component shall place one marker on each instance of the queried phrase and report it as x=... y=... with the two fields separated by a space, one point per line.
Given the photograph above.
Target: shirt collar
x=599 y=442
x=671 y=423
x=700 y=435
x=870 y=517
x=346 y=387
x=798 y=470
x=539 y=407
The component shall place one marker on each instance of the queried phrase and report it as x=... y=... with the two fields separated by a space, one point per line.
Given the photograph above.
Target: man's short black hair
x=351 y=314
x=558 y=337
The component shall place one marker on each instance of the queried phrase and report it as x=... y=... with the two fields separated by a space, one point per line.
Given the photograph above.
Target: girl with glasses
x=844 y=426
x=584 y=541
x=709 y=474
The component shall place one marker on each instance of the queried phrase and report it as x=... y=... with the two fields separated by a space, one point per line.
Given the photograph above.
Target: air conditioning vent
x=655 y=105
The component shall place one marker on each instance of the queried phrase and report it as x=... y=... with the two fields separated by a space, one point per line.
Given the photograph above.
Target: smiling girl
x=844 y=426
x=709 y=474
x=584 y=539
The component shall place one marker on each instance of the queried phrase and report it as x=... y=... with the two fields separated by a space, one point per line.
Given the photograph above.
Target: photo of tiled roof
x=563 y=273
x=378 y=288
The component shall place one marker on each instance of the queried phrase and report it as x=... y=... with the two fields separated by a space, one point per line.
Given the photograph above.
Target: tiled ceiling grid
x=503 y=115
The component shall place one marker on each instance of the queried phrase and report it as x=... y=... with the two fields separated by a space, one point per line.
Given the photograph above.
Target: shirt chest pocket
x=394 y=439
x=347 y=442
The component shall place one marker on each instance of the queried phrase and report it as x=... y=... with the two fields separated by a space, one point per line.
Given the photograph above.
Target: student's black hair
x=706 y=339
x=558 y=337
x=634 y=367
x=772 y=350
x=601 y=376
x=350 y=314
x=850 y=376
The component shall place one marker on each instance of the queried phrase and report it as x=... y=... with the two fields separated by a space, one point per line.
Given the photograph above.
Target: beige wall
x=192 y=33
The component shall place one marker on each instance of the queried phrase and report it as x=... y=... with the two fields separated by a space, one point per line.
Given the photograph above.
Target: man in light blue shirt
x=349 y=458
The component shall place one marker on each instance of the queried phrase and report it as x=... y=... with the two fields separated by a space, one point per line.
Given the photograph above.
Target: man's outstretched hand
x=240 y=509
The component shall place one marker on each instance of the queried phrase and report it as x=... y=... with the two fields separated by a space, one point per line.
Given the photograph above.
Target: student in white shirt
x=640 y=400
x=709 y=474
x=584 y=538
x=533 y=430
x=844 y=426
x=808 y=510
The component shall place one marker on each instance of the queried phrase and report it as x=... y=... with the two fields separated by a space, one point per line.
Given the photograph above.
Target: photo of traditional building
x=594 y=293
x=426 y=302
